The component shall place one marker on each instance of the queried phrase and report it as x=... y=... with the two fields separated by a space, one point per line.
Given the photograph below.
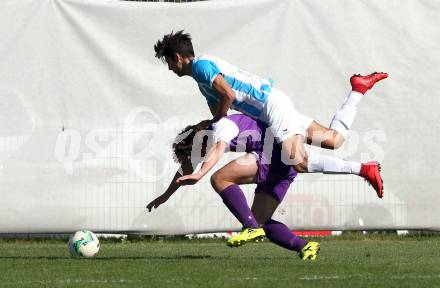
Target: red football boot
x=371 y=173
x=361 y=83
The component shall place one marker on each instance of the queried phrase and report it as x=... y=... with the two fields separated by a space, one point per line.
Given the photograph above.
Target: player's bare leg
x=294 y=153
x=334 y=136
x=242 y=170
x=324 y=137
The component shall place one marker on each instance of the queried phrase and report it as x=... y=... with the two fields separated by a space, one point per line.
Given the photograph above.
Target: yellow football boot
x=310 y=251
x=248 y=234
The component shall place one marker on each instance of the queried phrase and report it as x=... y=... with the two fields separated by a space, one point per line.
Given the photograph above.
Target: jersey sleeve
x=224 y=130
x=205 y=71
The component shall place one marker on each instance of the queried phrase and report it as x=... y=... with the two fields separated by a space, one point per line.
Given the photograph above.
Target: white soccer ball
x=83 y=243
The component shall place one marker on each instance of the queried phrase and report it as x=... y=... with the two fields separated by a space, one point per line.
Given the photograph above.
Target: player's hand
x=189 y=179
x=157 y=202
x=203 y=125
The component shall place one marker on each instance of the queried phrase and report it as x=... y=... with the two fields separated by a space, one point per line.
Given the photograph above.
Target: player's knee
x=216 y=181
x=301 y=167
x=338 y=140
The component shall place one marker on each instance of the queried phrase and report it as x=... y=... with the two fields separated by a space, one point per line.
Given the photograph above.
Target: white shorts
x=283 y=120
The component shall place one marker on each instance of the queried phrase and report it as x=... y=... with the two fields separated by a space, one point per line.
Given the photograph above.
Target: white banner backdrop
x=87 y=114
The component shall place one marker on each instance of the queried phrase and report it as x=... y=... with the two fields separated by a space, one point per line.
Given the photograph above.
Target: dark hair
x=182 y=145
x=173 y=43
x=186 y=143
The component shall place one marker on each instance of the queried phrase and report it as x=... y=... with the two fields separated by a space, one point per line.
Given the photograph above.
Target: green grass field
x=350 y=261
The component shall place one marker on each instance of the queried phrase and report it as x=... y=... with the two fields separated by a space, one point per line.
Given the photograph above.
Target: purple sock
x=234 y=199
x=280 y=234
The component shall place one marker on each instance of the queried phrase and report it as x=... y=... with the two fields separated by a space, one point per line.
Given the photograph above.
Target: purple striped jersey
x=245 y=134
x=241 y=132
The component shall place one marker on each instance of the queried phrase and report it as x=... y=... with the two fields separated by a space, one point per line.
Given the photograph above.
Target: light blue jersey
x=251 y=91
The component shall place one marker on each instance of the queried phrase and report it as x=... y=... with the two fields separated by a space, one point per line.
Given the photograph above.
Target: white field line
x=69 y=281
x=305 y=278
x=342 y=277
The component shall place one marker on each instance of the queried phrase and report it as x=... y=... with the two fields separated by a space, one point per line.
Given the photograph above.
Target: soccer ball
x=83 y=243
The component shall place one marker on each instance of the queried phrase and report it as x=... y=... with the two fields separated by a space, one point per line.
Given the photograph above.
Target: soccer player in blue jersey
x=226 y=86
x=260 y=165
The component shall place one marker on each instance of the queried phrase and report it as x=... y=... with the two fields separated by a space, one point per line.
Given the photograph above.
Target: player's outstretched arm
x=186 y=169
x=213 y=156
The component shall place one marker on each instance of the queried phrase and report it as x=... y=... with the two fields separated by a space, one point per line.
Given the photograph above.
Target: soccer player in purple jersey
x=225 y=86
x=260 y=165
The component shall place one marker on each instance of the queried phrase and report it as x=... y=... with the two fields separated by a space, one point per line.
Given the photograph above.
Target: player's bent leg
x=225 y=181
x=344 y=117
x=324 y=137
x=281 y=235
x=235 y=200
x=293 y=153
x=262 y=208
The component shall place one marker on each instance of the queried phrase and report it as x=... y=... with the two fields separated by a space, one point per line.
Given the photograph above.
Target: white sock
x=344 y=118
x=331 y=165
